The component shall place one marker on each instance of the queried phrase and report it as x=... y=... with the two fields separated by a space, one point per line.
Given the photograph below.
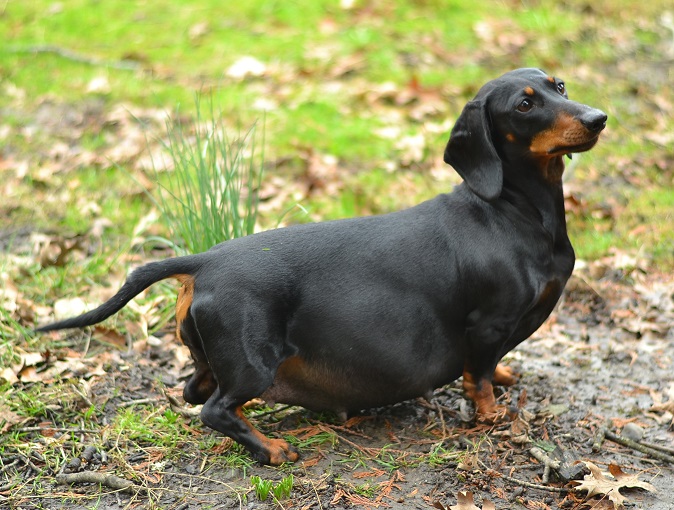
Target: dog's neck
x=540 y=187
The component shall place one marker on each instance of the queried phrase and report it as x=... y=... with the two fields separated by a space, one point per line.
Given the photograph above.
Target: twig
x=82 y=395
x=8 y=466
x=272 y=411
x=177 y=408
x=26 y=460
x=657 y=447
x=112 y=481
x=437 y=405
x=531 y=485
x=442 y=420
x=8 y=486
x=639 y=447
x=127 y=65
x=313 y=486
x=549 y=463
x=138 y=401
x=87 y=344
x=523 y=483
x=598 y=439
x=438 y=408
x=373 y=452
x=58 y=429
x=335 y=428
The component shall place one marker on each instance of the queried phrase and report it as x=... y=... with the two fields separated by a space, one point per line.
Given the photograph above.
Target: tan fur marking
x=557 y=136
x=550 y=145
x=279 y=449
x=481 y=393
x=510 y=137
x=551 y=79
x=550 y=287
x=504 y=375
x=529 y=91
x=184 y=301
x=311 y=385
x=552 y=169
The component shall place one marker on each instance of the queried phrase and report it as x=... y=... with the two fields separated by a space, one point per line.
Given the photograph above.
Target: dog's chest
x=549 y=290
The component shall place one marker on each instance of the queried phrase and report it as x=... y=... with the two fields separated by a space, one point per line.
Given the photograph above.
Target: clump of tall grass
x=210 y=196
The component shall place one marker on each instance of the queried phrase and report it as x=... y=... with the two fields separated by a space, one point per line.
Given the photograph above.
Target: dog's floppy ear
x=471 y=152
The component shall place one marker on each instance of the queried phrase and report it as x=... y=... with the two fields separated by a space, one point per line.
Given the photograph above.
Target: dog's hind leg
x=244 y=347
x=225 y=416
x=202 y=384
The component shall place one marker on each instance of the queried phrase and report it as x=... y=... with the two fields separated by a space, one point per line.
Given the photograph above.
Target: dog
x=364 y=312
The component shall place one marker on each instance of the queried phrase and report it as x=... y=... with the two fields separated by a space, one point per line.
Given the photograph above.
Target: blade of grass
x=211 y=194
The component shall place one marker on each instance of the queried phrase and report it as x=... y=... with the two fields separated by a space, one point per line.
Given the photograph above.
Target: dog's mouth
x=570 y=149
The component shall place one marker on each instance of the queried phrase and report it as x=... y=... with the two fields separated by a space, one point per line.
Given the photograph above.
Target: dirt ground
x=603 y=359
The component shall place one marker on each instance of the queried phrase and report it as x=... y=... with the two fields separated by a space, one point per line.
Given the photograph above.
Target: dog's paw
x=277 y=452
x=496 y=415
x=505 y=375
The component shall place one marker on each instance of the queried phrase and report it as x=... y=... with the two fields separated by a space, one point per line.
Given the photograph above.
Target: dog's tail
x=138 y=280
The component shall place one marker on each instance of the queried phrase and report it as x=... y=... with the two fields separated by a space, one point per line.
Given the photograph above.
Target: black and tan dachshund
x=363 y=312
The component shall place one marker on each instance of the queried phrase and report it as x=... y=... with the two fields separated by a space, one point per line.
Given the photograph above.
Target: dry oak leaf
x=465 y=500
x=596 y=483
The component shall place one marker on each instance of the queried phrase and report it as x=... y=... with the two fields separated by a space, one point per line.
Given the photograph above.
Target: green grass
x=150 y=428
x=211 y=194
x=265 y=488
x=643 y=226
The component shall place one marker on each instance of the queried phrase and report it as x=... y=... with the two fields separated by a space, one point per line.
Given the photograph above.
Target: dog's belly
x=342 y=385
x=367 y=346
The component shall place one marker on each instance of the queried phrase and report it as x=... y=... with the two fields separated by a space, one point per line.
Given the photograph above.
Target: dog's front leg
x=481 y=370
x=481 y=392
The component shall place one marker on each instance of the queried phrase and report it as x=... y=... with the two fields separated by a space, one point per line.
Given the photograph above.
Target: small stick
x=657 y=447
x=531 y=485
x=598 y=439
x=639 y=447
x=58 y=429
x=549 y=463
x=138 y=401
x=272 y=411
x=8 y=486
x=126 y=65
x=112 y=481
x=541 y=456
x=82 y=395
x=29 y=463
x=178 y=409
x=8 y=466
x=442 y=420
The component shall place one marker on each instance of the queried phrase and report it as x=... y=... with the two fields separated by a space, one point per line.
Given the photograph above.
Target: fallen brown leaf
x=597 y=483
x=662 y=406
x=9 y=418
x=466 y=502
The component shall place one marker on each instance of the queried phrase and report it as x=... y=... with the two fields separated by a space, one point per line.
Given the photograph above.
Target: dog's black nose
x=594 y=120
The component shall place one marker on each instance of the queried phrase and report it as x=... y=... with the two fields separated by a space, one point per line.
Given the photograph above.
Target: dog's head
x=523 y=116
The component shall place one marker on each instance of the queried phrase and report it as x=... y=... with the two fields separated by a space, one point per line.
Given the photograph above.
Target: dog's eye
x=561 y=88
x=525 y=106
